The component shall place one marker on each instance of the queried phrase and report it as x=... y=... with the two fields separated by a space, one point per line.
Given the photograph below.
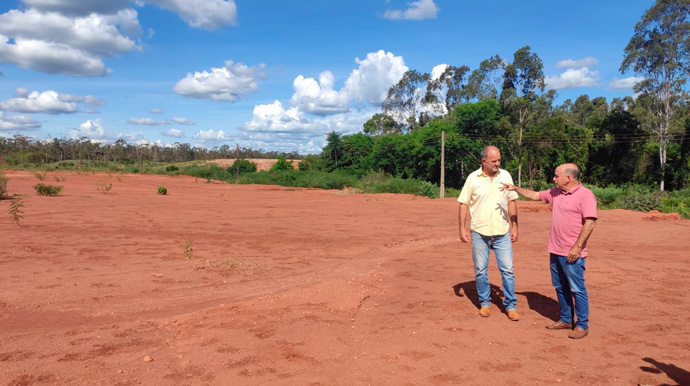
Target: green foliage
x=282 y=164
x=15 y=210
x=208 y=171
x=245 y=166
x=47 y=190
x=162 y=190
x=311 y=162
x=188 y=250
x=3 y=185
x=171 y=168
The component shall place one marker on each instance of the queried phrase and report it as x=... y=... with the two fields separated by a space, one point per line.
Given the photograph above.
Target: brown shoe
x=513 y=315
x=578 y=333
x=485 y=312
x=560 y=325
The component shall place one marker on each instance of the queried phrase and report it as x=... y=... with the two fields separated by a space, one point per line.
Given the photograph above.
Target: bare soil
x=217 y=284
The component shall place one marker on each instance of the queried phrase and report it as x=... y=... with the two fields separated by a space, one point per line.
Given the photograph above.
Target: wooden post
x=443 y=164
x=237 y=162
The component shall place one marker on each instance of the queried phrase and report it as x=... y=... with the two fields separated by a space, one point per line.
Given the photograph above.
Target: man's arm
x=529 y=194
x=586 y=231
x=462 y=219
x=512 y=215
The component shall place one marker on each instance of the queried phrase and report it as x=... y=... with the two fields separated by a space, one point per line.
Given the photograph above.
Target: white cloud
x=146 y=121
x=438 y=70
x=79 y=7
x=205 y=14
x=91 y=129
x=570 y=63
x=625 y=84
x=174 y=133
x=318 y=98
x=17 y=123
x=47 y=102
x=573 y=78
x=183 y=121
x=52 y=58
x=228 y=83
x=418 y=10
x=55 y=43
x=212 y=136
x=156 y=111
x=272 y=126
x=89 y=100
x=374 y=77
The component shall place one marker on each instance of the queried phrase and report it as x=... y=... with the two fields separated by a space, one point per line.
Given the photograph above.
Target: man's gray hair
x=573 y=172
x=485 y=151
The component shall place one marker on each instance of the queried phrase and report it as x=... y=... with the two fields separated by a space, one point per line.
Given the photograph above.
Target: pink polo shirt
x=569 y=210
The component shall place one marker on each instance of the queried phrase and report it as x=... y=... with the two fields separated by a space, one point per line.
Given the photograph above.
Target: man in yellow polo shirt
x=493 y=226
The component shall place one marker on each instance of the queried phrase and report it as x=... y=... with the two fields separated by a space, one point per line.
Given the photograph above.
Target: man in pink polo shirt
x=573 y=216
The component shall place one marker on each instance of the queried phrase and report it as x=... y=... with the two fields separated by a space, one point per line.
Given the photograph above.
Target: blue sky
x=275 y=75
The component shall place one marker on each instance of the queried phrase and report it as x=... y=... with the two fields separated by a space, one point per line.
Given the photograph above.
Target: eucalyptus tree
x=446 y=91
x=521 y=80
x=659 y=51
x=405 y=99
x=486 y=81
x=381 y=124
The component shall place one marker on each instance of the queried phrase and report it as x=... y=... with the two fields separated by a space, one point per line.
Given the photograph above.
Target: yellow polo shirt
x=488 y=202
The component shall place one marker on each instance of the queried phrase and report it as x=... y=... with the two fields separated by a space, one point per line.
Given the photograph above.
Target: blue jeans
x=503 y=249
x=569 y=281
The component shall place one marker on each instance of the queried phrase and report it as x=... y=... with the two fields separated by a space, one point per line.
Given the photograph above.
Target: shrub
x=16 y=211
x=171 y=168
x=3 y=185
x=244 y=166
x=162 y=190
x=282 y=164
x=47 y=190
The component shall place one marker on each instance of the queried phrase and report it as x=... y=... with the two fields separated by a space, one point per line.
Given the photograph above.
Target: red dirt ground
x=288 y=286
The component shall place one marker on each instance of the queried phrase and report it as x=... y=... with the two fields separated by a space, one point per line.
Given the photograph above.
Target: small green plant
x=3 y=185
x=104 y=186
x=162 y=190
x=171 y=168
x=188 y=250
x=47 y=190
x=59 y=178
x=16 y=211
x=39 y=175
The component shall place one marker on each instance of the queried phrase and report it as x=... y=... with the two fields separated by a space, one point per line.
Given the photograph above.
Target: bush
x=162 y=190
x=3 y=185
x=282 y=164
x=47 y=190
x=244 y=166
x=171 y=168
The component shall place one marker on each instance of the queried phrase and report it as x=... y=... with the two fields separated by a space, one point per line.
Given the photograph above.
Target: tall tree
x=446 y=91
x=659 y=50
x=485 y=82
x=405 y=99
x=521 y=80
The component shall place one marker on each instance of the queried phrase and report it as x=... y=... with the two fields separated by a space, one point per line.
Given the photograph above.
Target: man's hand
x=513 y=234
x=464 y=235
x=574 y=254
x=508 y=187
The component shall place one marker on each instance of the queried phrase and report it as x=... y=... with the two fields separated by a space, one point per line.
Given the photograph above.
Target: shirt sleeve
x=589 y=205
x=546 y=195
x=466 y=193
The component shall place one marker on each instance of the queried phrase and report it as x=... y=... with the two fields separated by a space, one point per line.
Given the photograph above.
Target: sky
x=275 y=75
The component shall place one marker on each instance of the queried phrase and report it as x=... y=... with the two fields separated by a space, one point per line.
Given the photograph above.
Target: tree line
x=641 y=140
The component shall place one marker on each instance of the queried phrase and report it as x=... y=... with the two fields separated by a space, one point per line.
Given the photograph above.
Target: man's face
x=492 y=162
x=560 y=179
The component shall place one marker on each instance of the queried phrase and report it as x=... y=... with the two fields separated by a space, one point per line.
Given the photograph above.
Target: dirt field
x=217 y=284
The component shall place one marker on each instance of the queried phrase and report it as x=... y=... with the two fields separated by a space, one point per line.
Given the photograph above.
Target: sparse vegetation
x=39 y=175
x=47 y=190
x=16 y=211
x=162 y=190
x=3 y=185
x=188 y=250
x=104 y=186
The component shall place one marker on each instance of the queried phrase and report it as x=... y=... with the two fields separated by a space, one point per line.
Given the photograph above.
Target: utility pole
x=237 y=162
x=443 y=164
